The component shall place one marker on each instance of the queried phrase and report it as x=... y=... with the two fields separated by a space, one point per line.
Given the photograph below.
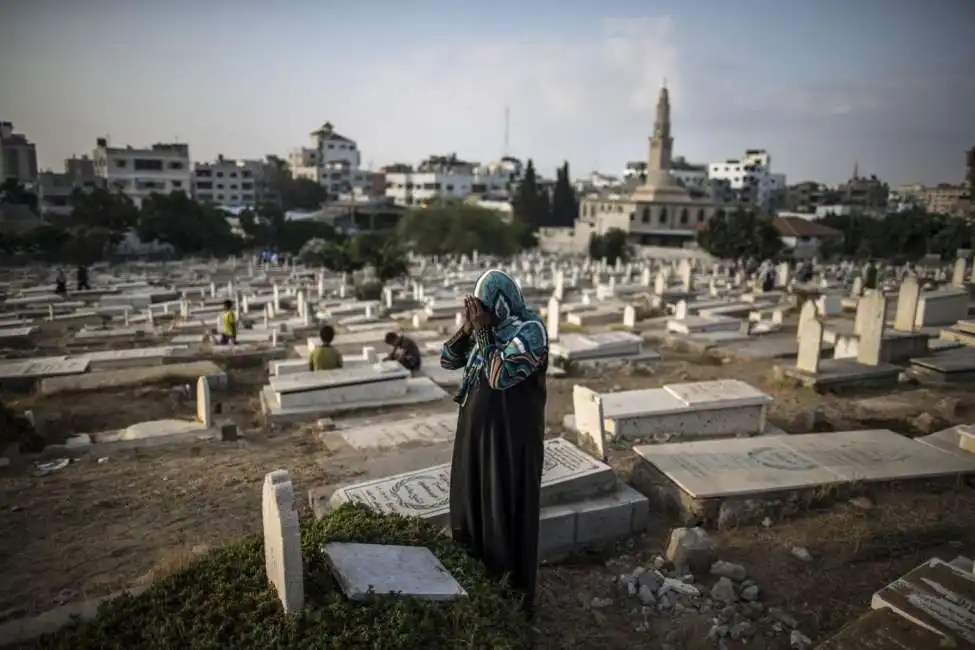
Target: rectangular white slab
x=718 y=393
x=43 y=368
x=406 y=571
x=736 y=466
x=877 y=454
x=427 y=430
x=354 y=384
x=426 y=493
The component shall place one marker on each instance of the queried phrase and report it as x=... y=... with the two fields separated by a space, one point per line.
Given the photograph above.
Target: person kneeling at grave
x=324 y=356
x=229 y=334
x=405 y=351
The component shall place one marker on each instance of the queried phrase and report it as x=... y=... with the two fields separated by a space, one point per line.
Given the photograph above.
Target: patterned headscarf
x=518 y=331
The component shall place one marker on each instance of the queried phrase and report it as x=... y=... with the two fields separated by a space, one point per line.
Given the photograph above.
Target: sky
x=820 y=84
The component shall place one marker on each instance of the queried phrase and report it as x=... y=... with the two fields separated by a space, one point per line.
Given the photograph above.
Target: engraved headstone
x=282 y=541
x=810 y=346
x=204 y=405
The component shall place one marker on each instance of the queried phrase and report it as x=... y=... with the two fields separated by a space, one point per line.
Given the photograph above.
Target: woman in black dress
x=496 y=473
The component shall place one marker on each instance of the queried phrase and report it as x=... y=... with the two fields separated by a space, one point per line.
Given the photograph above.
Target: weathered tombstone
x=587 y=407
x=204 y=405
x=282 y=541
x=810 y=347
x=871 y=333
x=807 y=314
x=907 y=301
x=553 y=317
x=680 y=311
x=629 y=317
x=958 y=272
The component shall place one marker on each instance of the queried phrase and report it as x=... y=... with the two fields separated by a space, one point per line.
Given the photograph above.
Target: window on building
x=175 y=164
x=204 y=185
x=177 y=184
x=700 y=215
x=646 y=215
x=245 y=174
x=684 y=217
x=120 y=163
x=219 y=174
x=219 y=186
x=663 y=215
x=246 y=186
x=220 y=197
x=147 y=165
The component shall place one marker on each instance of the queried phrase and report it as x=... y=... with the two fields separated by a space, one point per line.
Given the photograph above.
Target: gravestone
x=553 y=316
x=872 y=324
x=204 y=405
x=907 y=302
x=629 y=317
x=807 y=314
x=386 y=570
x=282 y=541
x=936 y=596
x=810 y=346
x=587 y=407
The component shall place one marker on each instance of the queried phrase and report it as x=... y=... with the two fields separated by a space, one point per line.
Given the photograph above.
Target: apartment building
x=56 y=190
x=944 y=198
x=138 y=172
x=750 y=178
x=334 y=161
x=449 y=177
x=18 y=156
x=230 y=183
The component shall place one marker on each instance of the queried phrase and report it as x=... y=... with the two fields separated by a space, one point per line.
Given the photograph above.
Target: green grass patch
x=223 y=601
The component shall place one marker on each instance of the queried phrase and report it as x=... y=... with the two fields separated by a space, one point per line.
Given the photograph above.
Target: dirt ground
x=102 y=524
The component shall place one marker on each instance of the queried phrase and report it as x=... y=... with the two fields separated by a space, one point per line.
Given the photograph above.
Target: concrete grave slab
x=721 y=393
x=385 y=380
x=567 y=471
x=129 y=377
x=877 y=455
x=936 y=596
x=282 y=541
x=419 y=390
x=950 y=440
x=403 y=571
x=735 y=467
x=426 y=430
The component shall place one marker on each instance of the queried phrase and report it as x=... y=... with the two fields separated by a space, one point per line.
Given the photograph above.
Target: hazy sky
x=818 y=83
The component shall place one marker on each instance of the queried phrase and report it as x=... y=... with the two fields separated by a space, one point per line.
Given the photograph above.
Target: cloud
x=564 y=93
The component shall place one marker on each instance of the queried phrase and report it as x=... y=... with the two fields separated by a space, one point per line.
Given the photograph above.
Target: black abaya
x=495 y=479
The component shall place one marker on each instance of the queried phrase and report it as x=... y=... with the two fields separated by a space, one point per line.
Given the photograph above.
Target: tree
x=457 y=228
x=11 y=191
x=899 y=237
x=530 y=203
x=301 y=194
x=113 y=213
x=187 y=225
x=742 y=233
x=611 y=245
x=565 y=205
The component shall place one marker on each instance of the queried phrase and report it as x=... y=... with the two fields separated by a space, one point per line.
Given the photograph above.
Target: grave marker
x=282 y=541
x=810 y=346
x=587 y=406
x=872 y=324
x=907 y=302
x=204 y=405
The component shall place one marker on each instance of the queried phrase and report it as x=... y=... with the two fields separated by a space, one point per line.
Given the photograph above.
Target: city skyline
x=820 y=86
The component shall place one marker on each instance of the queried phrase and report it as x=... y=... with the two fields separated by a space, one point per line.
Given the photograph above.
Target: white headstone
x=282 y=541
x=204 y=405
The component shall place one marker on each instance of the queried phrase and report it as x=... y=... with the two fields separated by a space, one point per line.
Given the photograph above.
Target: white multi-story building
x=137 y=173
x=750 y=177
x=447 y=177
x=334 y=161
x=229 y=183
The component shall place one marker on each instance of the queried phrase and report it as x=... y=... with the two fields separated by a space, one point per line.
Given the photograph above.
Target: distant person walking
x=324 y=356
x=82 y=277
x=405 y=351
x=496 y=472
x=61 y=283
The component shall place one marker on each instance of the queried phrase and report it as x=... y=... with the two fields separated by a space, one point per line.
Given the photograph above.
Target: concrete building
x=230 y=183
x=806 y=196
x=659 y=212
x=18 y=156
x=750 y=178
x=448 y=177
x=801 y=237
x=686 y=173
x=334 y=161
x=137 y=173
x=862 y=192
x=944 y=198
x=56 y=190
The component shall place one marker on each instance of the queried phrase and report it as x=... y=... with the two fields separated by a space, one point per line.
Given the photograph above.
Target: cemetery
x=722 y=449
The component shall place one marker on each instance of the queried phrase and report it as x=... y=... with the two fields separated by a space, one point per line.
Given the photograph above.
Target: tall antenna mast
x=507 y=128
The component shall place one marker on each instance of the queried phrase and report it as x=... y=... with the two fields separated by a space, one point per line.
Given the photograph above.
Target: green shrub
x=223 y=601
x=369 y=291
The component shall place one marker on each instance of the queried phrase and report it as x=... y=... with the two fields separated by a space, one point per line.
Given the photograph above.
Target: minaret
x=661 y=142
x=856 y=170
